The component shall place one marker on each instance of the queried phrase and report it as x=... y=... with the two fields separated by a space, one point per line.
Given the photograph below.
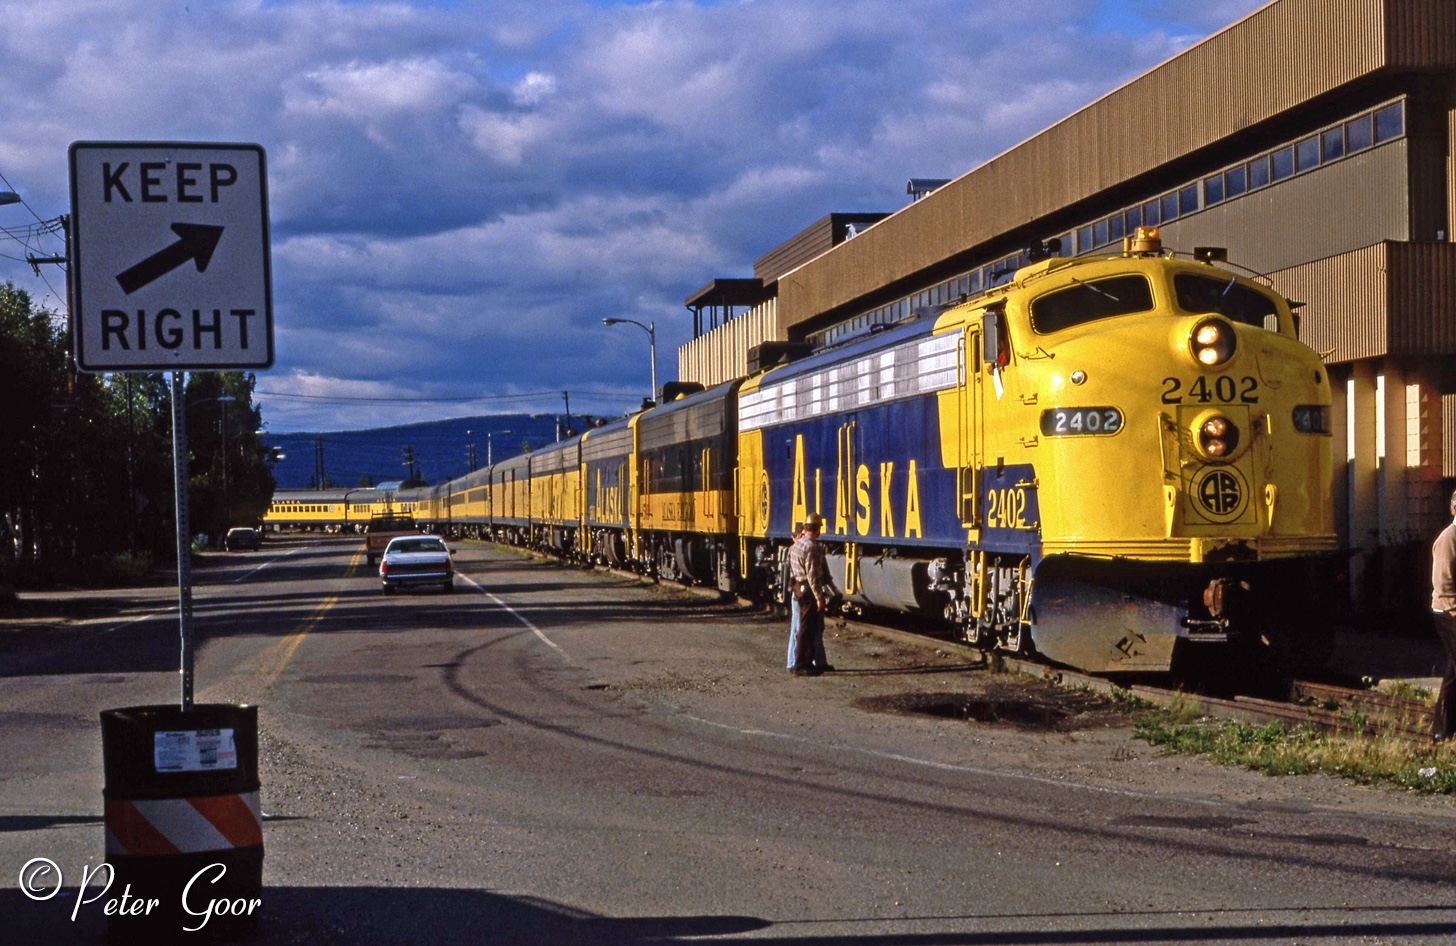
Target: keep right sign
x=170 y=259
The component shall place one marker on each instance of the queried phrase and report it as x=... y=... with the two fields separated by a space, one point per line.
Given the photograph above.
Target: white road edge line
x=517 y=615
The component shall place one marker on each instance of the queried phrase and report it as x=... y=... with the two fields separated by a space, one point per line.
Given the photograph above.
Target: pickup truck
x=383 y=528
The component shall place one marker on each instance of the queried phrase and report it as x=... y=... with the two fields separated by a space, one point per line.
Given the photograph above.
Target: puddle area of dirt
x=1027 y=707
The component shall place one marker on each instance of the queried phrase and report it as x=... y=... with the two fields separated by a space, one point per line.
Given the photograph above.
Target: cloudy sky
x=460 y=190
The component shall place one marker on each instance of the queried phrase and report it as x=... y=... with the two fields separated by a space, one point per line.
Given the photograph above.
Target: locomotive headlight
x=1212 y=342
x=1218 y=437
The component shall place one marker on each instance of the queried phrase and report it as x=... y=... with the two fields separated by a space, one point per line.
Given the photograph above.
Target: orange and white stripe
x=183 y=825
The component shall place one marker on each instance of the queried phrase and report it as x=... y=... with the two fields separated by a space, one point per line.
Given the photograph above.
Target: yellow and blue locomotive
x=1109 y=461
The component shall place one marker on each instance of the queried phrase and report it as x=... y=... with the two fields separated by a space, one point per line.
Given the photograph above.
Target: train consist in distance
x=1122 y=463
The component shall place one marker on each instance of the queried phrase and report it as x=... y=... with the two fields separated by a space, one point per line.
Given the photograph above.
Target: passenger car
x=242 y=538
x=412 y=560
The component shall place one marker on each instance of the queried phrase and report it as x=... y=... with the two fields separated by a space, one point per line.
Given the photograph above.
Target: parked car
x=243 y=539
x=413 y=560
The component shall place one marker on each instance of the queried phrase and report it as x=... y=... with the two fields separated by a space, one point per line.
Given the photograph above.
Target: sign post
x=171 y=271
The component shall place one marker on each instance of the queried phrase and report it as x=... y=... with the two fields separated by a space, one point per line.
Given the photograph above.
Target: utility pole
x=318 y=461
x=409 y=460
x=566 y=395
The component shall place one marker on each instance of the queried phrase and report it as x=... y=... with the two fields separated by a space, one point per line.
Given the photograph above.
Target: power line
x=440 y=400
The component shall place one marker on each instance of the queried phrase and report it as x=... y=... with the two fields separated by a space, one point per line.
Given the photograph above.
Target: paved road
x=551 y=755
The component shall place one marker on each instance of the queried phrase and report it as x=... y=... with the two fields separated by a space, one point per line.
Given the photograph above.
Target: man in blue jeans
x=809 y=584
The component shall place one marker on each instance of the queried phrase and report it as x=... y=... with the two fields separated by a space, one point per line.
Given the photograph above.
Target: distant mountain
x=442 y=449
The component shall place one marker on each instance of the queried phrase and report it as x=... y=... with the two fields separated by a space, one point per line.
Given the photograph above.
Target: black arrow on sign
x=197 y=244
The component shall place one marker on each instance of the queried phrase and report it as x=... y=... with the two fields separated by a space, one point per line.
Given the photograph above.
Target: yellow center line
x=283 y=651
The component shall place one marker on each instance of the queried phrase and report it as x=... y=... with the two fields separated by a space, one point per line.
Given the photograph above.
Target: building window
x=1099 y=233
x=1306 y=154
x=1188 y=200
x=1213 y=190
x=1170 y=207
x=1134 y=219
x=1151 y=216
x=1281 y=163
x=1359 y=134
x=1389 y=123
x=1236 y=181
x=1084 y=240
x=1332 y=144
x=1114 y=228
x=1259 y=172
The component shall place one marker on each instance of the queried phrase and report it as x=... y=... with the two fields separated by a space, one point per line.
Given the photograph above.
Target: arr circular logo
x=1221 y=494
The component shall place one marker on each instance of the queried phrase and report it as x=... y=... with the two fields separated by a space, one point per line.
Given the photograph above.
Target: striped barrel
x=184 y=830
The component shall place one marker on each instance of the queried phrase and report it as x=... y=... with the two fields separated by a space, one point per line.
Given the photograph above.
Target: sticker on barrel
x=195 y=750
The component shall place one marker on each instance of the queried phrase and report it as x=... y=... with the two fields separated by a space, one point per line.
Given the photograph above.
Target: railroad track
x=1323 y=706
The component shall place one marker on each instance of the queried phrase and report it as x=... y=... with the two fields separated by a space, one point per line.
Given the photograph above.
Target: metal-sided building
x=1315 y=139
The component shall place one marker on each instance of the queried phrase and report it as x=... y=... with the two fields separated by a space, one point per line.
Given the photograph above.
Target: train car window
x=1200 y=294
x=1090 y=301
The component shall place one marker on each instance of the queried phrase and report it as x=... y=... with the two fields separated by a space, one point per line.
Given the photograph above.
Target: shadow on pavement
x=430 y=916
x=382 y=915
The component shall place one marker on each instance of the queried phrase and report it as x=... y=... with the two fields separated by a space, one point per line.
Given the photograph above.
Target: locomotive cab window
x=1090 y=301
x=1200 y=294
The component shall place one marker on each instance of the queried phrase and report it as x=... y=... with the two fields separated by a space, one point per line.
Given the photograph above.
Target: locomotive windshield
x=1089 y=301
x=1200 y=294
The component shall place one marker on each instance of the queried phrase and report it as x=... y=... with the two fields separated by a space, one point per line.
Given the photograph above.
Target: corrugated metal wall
x=1422 y=288
x=1386 y=299
x=1345 y=302
x=1272 y=61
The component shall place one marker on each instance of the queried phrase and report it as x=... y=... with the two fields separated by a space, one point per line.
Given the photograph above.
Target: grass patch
x=1405 y=690
x=1274 y=749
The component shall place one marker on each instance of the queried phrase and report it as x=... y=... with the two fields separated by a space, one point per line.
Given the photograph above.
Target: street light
x=9 y=197
x=489 y=457
x=651 y=330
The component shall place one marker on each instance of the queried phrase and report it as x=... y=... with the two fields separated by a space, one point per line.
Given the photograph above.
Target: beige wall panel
x=1272 y=61
x=1332 y=210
